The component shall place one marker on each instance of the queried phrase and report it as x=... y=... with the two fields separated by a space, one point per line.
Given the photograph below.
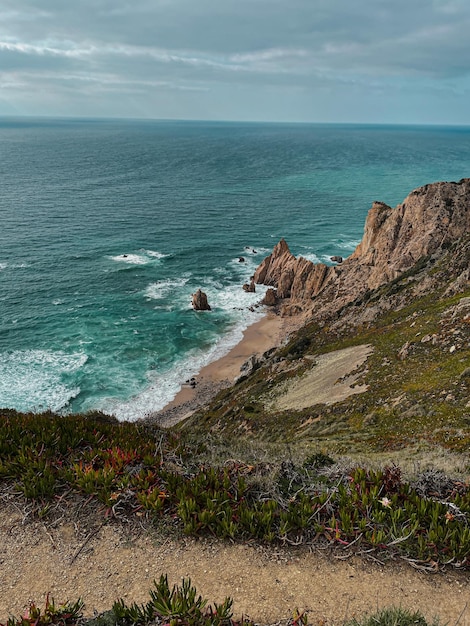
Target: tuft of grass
x=393 y=616
x=178 y=606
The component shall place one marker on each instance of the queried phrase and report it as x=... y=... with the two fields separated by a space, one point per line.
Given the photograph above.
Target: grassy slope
x=416 y=407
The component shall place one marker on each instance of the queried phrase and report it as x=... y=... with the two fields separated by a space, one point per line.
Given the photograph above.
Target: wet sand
x=267 y=333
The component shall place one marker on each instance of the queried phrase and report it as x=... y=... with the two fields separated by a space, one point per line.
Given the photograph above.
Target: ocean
x=108 y=226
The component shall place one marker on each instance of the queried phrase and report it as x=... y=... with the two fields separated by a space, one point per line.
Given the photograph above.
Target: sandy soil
x=104 y=563
x=331 y=379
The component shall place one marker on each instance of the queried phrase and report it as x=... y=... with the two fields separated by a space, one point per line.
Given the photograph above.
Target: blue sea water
x=108 y=226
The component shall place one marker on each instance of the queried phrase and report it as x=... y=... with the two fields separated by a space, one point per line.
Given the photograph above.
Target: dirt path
x=265 y=584
x=322 y=384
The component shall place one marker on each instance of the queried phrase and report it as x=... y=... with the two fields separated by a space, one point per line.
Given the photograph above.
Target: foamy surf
x=348 y=245
x=164 y=386
x=311 y=256
x=33 y=380
x=163 y=288
x=143 y=257
x=154 y=254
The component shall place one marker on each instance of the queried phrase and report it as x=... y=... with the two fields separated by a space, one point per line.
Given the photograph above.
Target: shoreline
x=268 y=332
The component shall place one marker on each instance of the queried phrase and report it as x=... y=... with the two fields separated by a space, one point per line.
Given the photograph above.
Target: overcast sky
x=393 y=61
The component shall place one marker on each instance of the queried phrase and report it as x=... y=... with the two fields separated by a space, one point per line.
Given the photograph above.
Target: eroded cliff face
x=429 y=220
x=295 y=278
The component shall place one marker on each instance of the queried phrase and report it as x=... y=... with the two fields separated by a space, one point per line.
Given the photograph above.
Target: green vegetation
x=129 y=471
x=392 y=617
x=64 y=614
x=181 y=606
x=417 y=398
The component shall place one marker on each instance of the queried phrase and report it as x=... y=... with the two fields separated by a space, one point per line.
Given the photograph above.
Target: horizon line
x=98 y=118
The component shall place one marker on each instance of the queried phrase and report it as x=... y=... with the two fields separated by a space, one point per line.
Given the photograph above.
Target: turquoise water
x=108 y=227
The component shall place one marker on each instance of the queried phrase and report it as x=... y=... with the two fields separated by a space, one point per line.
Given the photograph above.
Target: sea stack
x=200 y=302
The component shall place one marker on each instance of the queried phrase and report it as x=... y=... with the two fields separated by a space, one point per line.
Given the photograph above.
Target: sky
x=359 y=61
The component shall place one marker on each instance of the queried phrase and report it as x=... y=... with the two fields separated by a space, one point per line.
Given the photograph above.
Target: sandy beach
x=267 y=333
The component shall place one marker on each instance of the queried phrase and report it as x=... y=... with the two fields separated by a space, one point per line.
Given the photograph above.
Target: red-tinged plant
x=64 y=614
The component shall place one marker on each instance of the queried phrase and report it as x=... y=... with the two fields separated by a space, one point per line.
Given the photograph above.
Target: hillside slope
x=405 y=292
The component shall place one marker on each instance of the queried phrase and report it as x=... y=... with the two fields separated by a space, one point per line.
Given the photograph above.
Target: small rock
x=465 y=373
x=249 y=288
x=404 y=351
x=199 y=301
x=415 y=411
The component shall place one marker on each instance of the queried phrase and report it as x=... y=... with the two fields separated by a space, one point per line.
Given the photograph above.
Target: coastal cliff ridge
x=428 y=221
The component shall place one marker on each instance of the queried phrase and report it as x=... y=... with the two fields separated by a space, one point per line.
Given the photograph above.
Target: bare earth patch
x=330 y=380
x=106 y=563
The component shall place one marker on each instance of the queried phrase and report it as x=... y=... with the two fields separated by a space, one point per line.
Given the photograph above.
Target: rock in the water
x=250 y=288
x=336 y=259
x=200 y=301
x=241 y=259
x=270 y=298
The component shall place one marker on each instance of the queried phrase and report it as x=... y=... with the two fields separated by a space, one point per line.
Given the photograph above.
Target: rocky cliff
x=430 y=219
x=294 y=278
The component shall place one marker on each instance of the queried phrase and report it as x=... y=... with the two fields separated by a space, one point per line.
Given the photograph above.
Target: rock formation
x=429 y=220
x=295 y=278
x=250 y=287
x=199 y=301
x=270 y=298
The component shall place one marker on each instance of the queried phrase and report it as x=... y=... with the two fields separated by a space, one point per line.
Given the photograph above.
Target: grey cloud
x=219 y=46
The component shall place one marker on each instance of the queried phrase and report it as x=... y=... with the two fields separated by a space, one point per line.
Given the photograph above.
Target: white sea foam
x=162 y=288
x=155 y=254
x=131 y=259
x=163 y=387
x=31 y=380
x=255 y=251
x=348 y=245
x=241 y=307
x=311 y=256
x=4 y=265
x=233 y=298
x=143 y=257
